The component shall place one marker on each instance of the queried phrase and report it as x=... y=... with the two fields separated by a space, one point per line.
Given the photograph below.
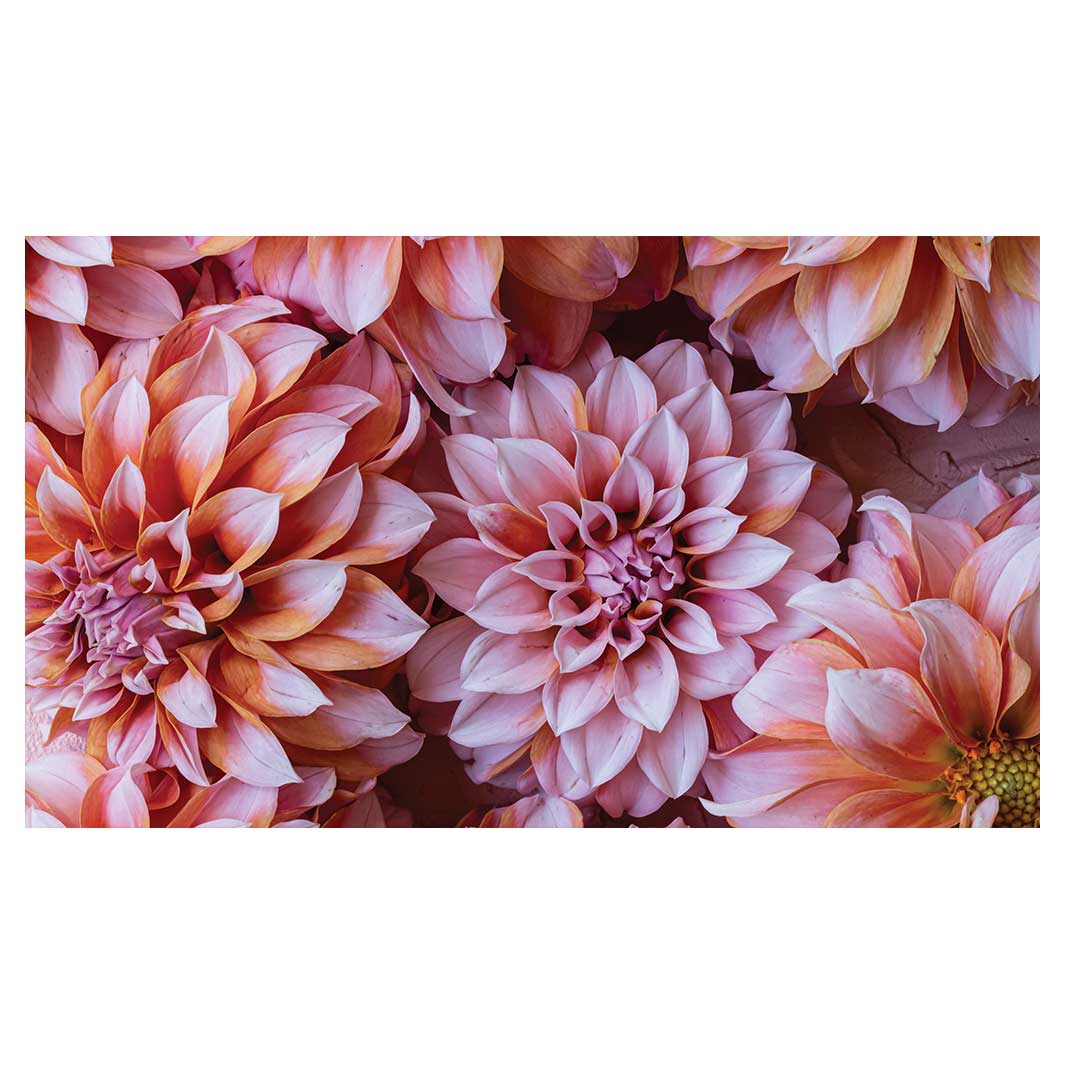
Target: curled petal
x=352 y=715
x=532 y=472
x=786 y=698
x=646 y=684
x=391 y=521
x=718 y=673
x=484 y=718
x=242 y=521
x=577 y=268
x=73 y=251
x=434 y=663
x=114 y=800
x=775 y=485
x=242 y=746
x=60 y=363
x=457 y=275
x=63 y=512
x=603 y=747
x=747 y=561
x=184 y=453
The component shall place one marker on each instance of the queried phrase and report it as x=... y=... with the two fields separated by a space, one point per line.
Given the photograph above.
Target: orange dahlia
x=929 y=327
x=197 y=597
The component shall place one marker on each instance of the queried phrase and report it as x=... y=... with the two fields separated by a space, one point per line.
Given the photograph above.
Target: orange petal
x=651 y=278
x=117 y=430
x=391 y=521
x=279 y=353
x=270 y=688
x=549 y=330
x=63 y=512
x=289 y=455
x=185 y=452
x=244 y=747
x=967 y=257
x=575 y=268
x=220 y=368
x=122 y=509
x=289 y=600
x=457 y=275
x=822 y=251
x=114 y=800
x=242 y=521
x=904 y=354
x=370 y=627
x=847 y=304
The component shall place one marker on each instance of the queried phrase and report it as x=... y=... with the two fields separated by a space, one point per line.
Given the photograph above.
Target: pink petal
x=472 y=462
x=890 y=808
x=603 y=747
x=821 y=251
x=60 y=362
x=646 y=684
x=434 y=663
x=709 y=676
x=356 y=276
x=746 y=562
x=130 y=301
x=760 y=420
x=532 y=472
x=56 y=783
x=114 y=800
x=496 y=662
x=507 y=601
x=457 y=275
x=73 y=251
x=54 y=291
x=620 y=400
x=456 y=570
x=660 y=444
x=673 y=758
x=998 y=576
x=484 y=718
x=572 y=699
x=786 y=698
x=547 y=406
x=391 y=521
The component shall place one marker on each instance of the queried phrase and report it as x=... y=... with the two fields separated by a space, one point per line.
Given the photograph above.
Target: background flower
x=927 y=325
x=622 y=537
x=920 y=699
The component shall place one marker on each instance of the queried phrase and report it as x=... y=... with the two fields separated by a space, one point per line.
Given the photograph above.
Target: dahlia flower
x=918 y=705
x=929 y=325
x=74 y=790
x=446 y=305
x=195 y=584
x=622 y=537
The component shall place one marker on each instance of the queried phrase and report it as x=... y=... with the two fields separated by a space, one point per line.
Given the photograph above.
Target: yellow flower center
x=1006 y=768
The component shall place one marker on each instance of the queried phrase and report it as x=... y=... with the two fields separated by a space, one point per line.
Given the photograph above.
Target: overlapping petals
x=928 y=328
x=918 y=703
x=209 y=506
x=624 y=538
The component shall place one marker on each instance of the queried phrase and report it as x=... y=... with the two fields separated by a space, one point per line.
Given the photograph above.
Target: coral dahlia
x=623 y=537
x=918 y=705
x=195 y=582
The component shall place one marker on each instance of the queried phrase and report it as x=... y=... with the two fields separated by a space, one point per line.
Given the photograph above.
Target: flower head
x=918 y=705
x=196 y=597
x=929 y=327
x=623 y=537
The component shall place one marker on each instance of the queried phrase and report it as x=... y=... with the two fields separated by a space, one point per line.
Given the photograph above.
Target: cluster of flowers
x=294 y=503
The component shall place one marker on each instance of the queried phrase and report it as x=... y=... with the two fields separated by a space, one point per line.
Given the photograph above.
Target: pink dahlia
x=200 y=515
x=918 y=705
x=623 y=538
x=929 y=327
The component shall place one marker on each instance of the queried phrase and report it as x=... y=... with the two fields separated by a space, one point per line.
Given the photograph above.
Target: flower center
x=633 y=568
x=1006 y=768
x=117 y=627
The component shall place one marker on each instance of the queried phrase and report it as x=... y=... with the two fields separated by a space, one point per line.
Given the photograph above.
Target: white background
x=650 y=947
